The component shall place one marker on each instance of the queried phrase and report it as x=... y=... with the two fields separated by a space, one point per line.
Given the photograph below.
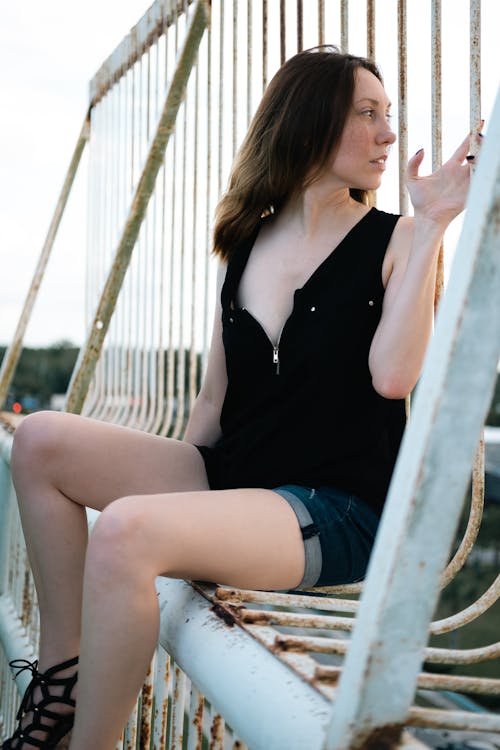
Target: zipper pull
x=276 y=359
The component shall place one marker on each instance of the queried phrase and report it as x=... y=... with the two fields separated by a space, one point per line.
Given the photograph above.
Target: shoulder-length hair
x=293 y=133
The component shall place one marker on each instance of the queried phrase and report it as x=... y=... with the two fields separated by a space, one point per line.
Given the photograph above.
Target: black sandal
x=40 y=708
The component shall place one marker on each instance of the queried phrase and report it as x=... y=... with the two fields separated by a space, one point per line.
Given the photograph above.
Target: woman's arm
x=203 y=427
x=400 y=342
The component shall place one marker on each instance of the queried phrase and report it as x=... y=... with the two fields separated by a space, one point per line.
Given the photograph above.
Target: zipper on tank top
x=276 y=346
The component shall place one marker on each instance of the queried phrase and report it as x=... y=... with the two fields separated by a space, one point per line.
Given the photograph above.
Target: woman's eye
x=368 y=112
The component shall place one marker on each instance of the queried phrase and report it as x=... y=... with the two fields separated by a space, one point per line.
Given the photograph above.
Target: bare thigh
x=94 y=463
x=248 y=538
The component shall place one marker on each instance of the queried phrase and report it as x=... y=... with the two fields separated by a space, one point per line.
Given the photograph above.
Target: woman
x=324 y=312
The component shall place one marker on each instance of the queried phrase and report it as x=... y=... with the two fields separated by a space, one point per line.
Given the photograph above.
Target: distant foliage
x=41 y=373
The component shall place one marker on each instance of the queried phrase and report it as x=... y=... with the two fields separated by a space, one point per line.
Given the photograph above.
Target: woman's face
x=361 y=154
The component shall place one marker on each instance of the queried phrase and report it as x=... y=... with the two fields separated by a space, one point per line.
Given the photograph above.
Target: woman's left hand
x=440 y=196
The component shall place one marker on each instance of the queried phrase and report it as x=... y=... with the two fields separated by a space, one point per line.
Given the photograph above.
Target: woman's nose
x=387 y=135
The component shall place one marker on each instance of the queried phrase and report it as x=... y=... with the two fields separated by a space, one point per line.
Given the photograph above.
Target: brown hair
x=296 y=127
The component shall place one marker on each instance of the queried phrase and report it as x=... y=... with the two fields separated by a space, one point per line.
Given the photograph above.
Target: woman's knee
x=118 y=541
x=36 y=440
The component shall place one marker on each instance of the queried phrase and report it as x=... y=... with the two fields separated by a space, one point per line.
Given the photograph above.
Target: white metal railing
x=157 y=167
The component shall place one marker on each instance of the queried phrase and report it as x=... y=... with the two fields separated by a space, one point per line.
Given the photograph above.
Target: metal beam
x=258 y=695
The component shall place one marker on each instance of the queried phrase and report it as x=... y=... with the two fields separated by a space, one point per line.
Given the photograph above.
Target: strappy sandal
x=55 y=725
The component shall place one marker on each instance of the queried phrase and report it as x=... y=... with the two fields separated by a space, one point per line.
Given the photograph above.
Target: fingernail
x=419 y=151
x=480 y=135
x=470 y=157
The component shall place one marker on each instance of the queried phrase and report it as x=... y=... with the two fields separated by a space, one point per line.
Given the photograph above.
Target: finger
x=462 y=150
x=414 y=163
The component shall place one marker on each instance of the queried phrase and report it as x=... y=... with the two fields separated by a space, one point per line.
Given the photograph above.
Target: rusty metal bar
x=221 y=89
x=300 y=26
x=196 y=715
x=437 y=121
x=282 y=31
x=370 y=29
x=11 y=356
x=462 y=656
x=238 y=596
x=475 y=68
x=344 y=25
x=235 y=76
x=85 y=365
x=249 y=61
x=292 y=619
x=475 y=518
x=472 y=612
x=264 y=43
x=402 y=104
x=321 y=21
x=425 y=681
x=178 y=706
x=457 y=720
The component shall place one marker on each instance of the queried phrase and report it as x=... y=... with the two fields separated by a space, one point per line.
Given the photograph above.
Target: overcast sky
x=48 y=53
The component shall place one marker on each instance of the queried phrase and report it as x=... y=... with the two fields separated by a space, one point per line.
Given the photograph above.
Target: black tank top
x=305 y=412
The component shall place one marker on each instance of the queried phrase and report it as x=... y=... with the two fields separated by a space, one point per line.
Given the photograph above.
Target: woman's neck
x=320 y=207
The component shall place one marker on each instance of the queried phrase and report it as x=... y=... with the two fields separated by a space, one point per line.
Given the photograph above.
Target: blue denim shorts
x=338 y=531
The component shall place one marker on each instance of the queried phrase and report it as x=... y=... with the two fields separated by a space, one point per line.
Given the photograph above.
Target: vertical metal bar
x=475 y=125
x=235 y=75
x=300 y=26
x=402 y=104
x=436 y=87
x=161 y=693
x=344 y=25
x=181 y=353
x=13 y=353
x=249 y=61
x=264 y=43
x=475 y=66
x=370 y=29
x=145 y=730
x=178 y=703
x=217 y=728
x=196 y=707
x=85 y=366
x=208 y=215
x=321 y=21
x=193 y=356
x=130 y=733
x=282 y=31
x=221 y=89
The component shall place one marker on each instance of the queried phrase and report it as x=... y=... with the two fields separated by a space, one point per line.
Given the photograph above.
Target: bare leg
x=248 y=538
x=60 y=463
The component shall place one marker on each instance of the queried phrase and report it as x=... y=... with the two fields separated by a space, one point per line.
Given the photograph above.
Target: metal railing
x=167 y=111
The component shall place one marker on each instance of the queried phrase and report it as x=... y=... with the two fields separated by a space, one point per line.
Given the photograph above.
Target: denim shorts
x=338 y=531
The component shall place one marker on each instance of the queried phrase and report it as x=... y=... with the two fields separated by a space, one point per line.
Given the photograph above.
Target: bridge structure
x=330 y=669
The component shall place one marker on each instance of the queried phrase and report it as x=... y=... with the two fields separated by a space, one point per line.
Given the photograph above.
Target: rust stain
x=382 y=738
x=282 y=643
x=229 y=614
x=215 y=732
x=198 y=722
